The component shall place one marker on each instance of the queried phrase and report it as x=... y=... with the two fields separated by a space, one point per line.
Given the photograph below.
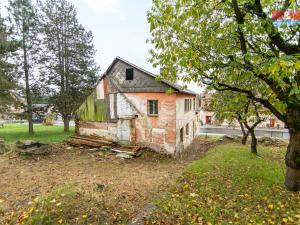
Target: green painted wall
x=92 y=110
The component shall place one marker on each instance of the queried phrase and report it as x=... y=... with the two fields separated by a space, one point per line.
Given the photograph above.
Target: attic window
x=129 y=74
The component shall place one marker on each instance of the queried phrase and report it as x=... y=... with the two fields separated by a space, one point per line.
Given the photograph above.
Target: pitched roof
x=176 y=87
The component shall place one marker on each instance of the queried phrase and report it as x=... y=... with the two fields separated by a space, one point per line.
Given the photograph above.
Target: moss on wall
x=93 y=109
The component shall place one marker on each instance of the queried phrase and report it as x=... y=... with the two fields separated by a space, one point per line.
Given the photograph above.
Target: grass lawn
x=231 y=186
x=14 y=132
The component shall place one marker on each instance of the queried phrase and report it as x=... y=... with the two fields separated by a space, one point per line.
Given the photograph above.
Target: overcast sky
x=120 y=28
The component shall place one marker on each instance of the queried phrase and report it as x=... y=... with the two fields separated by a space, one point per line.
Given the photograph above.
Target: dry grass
x=108 y=189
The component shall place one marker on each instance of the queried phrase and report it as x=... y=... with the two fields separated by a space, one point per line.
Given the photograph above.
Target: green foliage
x=24 y=23
x=228 y=45
x=231 y=186
x=68 y=63
x=230 y=106
x=48 y=134
x=92 y=109
x=6 y=78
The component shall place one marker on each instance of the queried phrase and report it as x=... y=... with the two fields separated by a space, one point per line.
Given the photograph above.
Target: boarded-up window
x=129 y=74
x=153 y=107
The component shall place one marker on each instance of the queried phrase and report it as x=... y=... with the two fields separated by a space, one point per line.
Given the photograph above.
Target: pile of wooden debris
x=88 y=141
x=33 y=148
x=96 y=143
x=2 y=146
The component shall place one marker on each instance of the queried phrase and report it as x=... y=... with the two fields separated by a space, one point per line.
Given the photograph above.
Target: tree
x=7 y=82
x=68 y=61
x=232 y=107
x=234 y=45
x=24 y=21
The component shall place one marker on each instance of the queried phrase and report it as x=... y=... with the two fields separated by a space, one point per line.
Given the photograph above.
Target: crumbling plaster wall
x=182 y=119
x=102 y=129
x=156 y=132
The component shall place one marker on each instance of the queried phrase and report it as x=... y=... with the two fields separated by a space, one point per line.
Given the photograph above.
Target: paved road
x=260 y=132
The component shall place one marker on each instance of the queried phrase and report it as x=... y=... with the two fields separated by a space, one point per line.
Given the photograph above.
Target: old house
x=129 y=105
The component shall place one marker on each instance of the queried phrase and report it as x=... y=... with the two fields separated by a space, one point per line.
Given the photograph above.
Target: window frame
x=126 y=74
x=149 y=105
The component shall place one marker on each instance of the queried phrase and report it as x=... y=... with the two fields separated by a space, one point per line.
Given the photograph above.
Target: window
x=188 y=104
x=208 y=119
x=193 y=129
x=272 y=123
x=152 y=107
x=187 y=129
x=181 y=135
x=129 y=74
x=194 y=104
x=185 y=105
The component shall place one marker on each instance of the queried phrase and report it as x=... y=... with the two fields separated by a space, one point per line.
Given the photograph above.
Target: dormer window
x=129 y=74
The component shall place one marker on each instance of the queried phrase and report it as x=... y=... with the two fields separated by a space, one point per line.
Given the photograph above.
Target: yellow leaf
x=84 y=216
x=30 y=210
x=297 y=65
x=284 y=220
x=60 y=221
x=53 y=201
x=270 y=207
x=58 y=204
x=282 y=63
x=193 y=195
x=186 y=186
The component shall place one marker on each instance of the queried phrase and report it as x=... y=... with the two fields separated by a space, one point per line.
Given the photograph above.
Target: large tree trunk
x=253 y=142
x=66 y=124
x=292 y=158
x=27 y=85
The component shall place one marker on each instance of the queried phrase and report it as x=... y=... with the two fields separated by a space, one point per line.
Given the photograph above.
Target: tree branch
x=250 y=95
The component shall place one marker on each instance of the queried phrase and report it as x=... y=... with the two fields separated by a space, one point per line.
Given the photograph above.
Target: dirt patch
x=120 y=188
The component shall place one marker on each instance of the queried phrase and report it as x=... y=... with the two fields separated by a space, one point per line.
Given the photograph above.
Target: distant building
x=207 y=116
x=14 y=108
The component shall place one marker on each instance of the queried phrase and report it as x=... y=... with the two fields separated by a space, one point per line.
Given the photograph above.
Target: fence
x=260 y=132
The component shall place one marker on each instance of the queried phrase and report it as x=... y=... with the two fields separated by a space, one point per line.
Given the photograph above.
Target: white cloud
x=123 y=18
x=104 y=5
